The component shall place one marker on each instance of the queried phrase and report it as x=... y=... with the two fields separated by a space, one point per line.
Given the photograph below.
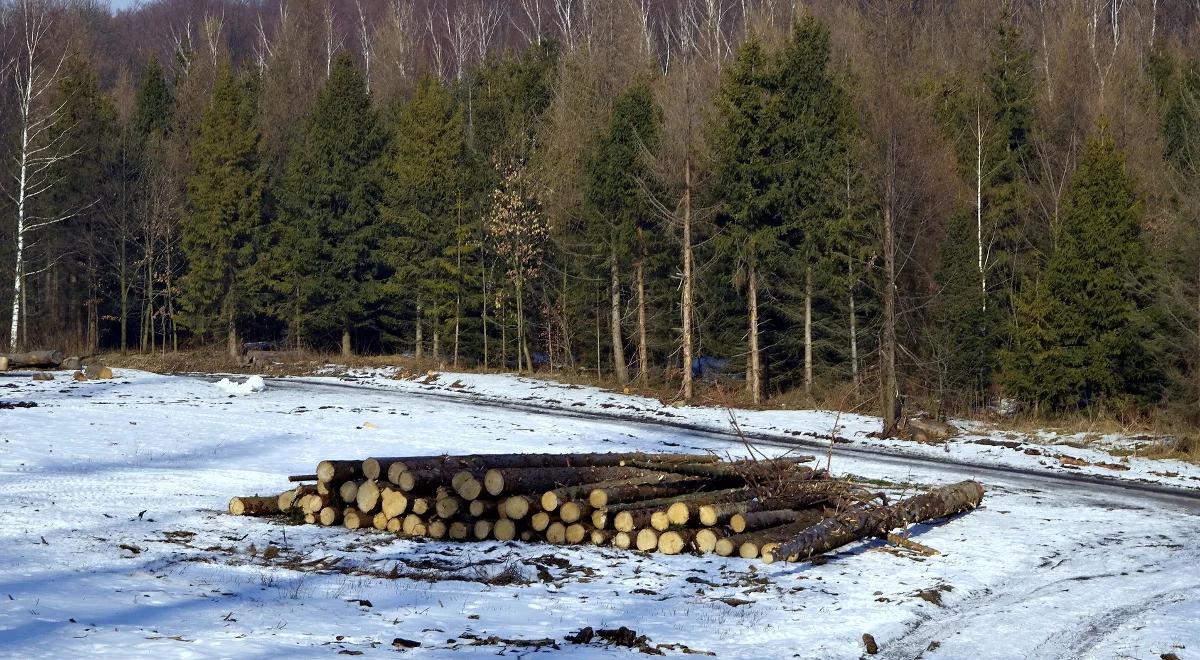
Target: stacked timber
x=778 y=509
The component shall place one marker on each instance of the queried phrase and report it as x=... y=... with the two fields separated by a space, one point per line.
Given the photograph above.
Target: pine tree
x=154 y=103
x=328 y=236
x=224 y=214
x=617 y=207
x=1089 y=330
x=745 y=185
x=423 y=209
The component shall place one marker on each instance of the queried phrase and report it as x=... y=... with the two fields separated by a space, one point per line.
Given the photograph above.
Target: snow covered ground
x=113 y=540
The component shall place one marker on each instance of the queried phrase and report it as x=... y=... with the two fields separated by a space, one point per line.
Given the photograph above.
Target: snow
x=149 y=462
x=252 y=384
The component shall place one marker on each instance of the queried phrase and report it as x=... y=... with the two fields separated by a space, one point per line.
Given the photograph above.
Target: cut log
x=622 y=540
x=738 y=471
x=329 y=516
x=556 y=533
x=421 y=528
x=459 y=530
x=290 y=498
x=315 y=502
x=706 y=539
x=467 y=485
x=338 y=471
x=42 y=359
x=539 y=480
x=326 y=489
x=377 y=468
x=540 y=521
x=419 y=506
x=484 y=462
x=577 y=532
x=862 y=522
x=393 y=501
x=686 y=507
x=367 y=497
x=628 y=521
x=602 y=536
x=756 y=539
x=712 y=514
x=394 y=525
x=504 y=530
x=310 y=519
x=517 y=507
x=254 y=506
x=481 y=508
x=380 y=521
x=572 y=512
x=437 y=529
x=410 y=523
x=302 y=477
x=424 y=482
x=448 y=507
x=743 y=522
x=675 y=541
x=643 y=488
x=354 y=519
x=483 y=529
x=647 y=540
x=348 y=491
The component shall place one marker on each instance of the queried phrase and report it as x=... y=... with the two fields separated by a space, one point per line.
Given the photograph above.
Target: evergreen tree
x=154 y=103
x=423 y=209
x=745 y=185
x=617 y=207
x=223 y=218
x=1088 y=329
x=328 y=234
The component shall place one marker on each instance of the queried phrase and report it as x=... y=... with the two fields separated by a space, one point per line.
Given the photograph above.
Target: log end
x=505 y=530
x=540 y=521
x=556 y=533
x=678 y=513
x=549 y=501
x=598 y=498
x=493 y=482
x=660 y=521
x=371 y=468
x=516 y=507
x=623 y=522
x=647 y=540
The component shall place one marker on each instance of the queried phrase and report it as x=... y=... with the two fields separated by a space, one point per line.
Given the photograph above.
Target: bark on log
x=354 y=519
x=750 y=521
x=254 y=506
x=858 y=524
x=483 y=462
x=644 y=488
x=712 y=514
x=338 y=471
x=44 y=359
x=329 y=516
x=302 y=477
x=737 y=471
x=290 y=499
x=539 y=480
x=553 y=498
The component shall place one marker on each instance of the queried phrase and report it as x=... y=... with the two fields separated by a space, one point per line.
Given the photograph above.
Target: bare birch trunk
x=643 y=348
x=419 y=350
x=347 y=351
x=808 y=346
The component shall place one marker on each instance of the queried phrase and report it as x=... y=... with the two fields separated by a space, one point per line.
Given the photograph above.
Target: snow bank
x=252 y=384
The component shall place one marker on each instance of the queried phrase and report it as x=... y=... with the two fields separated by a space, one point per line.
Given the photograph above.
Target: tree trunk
x=686 y=310
x=889 y=394
x=618 y=343
x=754 y=369
x=436 y=349
x=749 y=545
x=232 y=341
x=520 y=286
x=808 y=345
x=346 y=350
x=643 y=348
x=859 y=523
x=654 y=486
x=393 y=467
x=853 y=341
x=419 y=349
x=752 y=519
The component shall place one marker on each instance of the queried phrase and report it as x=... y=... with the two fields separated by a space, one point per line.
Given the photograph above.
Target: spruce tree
x=328 y=236
x=223 y=218
x=617 y=206
x=154 y=103
x=745 y=186
x=423 y=209
x=1089 y=329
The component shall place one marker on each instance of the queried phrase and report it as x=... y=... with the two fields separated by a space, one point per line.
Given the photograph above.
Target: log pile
x=778 y=509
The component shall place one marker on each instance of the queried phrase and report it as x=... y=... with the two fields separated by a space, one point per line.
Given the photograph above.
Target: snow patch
x=252 y=384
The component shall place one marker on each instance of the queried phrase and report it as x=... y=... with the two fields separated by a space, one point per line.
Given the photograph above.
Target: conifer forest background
x=962 y=201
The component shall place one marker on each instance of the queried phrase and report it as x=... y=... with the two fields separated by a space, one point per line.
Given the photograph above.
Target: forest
x=962 y=203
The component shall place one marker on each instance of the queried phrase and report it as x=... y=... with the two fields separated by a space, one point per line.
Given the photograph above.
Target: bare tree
x=365 y=39
x=533 y=13
x=42 y=143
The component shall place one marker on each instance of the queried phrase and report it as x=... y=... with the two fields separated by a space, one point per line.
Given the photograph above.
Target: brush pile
x=670 y=503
